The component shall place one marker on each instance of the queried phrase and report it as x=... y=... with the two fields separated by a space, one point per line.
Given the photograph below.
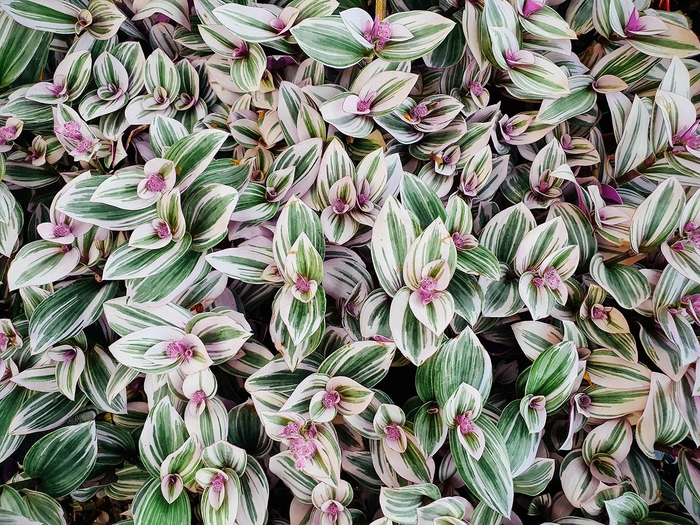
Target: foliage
x=435 y=267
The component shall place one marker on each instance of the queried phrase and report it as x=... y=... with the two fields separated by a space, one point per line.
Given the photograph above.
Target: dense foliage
x=298 y=263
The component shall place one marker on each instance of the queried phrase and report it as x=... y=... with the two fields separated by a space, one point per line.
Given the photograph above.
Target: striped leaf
x=63 y=459
x=392 y=235
x=459 y=360
x=427 y=29
x=503 y=233
x=163 y=433
x=125 y=319
x=99 y=369
x=41 y=262
x=127 y=262
x=150 y=506
x=52 y=16
x=578 y=228
x=366 y=362
x=541 y=79
x=253 y=496
x=20 y=45
x=607 y=369
x=633 y=146
x=578 y=483
x=657 y=217
x=67 y=312
x=661 y=422
x=626 y=284
x=43 y=508
x=327 y=40
x=207 y=212
x=676 y=41
x=415 y=340
x=10 y=405
x=75 y=201
x=430 y=429
x=401 y=504
x=535 y=478
x=42 y=411
x=193 y=153
x=581 y=99
x=521 y=444
x=296 y=218
x=419 y=199
x=489 y=477
x=553 y=375
x=539 y=243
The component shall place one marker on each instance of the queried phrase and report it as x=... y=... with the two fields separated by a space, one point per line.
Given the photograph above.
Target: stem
x=97 y=271
x=24 y=484
x=675 y=451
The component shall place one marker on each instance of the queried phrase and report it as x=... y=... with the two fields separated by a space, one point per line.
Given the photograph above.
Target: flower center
x=340 y=206
x=377 y=33
x=277 y=24
x=393 y=432
x=532 y=6
x=7 y=133
x=302 y=451
x=160 y=95
x=476 y=88
x=635 y=24
x=178 y=349
x=84 y=145
x=290 y=429
x=509 y=128
x=598 y=313
x=57 y=90
x=163 y=230
x=538 y=282
x=419 y=112
x=61 y=230
x=217 y=483
x=364 y=104
x=155 y=183
x=71 y=130
x=426 y=291
x=552 y=278
x=333 y=510
x=3 y=342
x=302 y=284
x=465 y=423
x=330 y=399
x=199 y=396
x=584 y=401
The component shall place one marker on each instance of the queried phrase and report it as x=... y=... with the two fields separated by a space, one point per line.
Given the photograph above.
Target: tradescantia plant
x=326 y=262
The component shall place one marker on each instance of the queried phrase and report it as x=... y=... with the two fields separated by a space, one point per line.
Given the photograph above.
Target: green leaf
x=419 y=199
x=535 y=478
x=41 y=262
x=401 y=504
x=193 y=153
x=489 y=477
x=553 y=375
x=657 y=217
x=67 y=312
x=392 y=235
x=128 y=262
x=163 y=433
x=151 y=507
x=20 y=45
x=626 y=284
x=63 y=459
x=327 y=40
x=366 y=362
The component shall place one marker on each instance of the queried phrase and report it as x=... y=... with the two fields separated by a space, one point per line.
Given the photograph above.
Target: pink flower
x=302 y=450
x=377 y=33
x=330 y=399
x=427 y=291
x=465 y=423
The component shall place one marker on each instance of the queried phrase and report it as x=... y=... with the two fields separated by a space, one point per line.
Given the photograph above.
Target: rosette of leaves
x=428 y=266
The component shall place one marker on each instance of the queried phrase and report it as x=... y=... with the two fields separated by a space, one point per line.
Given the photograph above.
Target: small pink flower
x=598 y=313
x=552 y=278
x=377 y=33
x=199 y=396
x=4 y=341
x=70 y=130
x=290 y=429
x=393 y=432
x=634 y=25
x=302 y=284
x=330 y=399
x=217 y=483
x=475 y=88
x=155 y=183
x=302 y=450
x=465 y=423
x=538 y=282
x=419 y=112
x=427 y=291
x=61 y=230
x=364 y=104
